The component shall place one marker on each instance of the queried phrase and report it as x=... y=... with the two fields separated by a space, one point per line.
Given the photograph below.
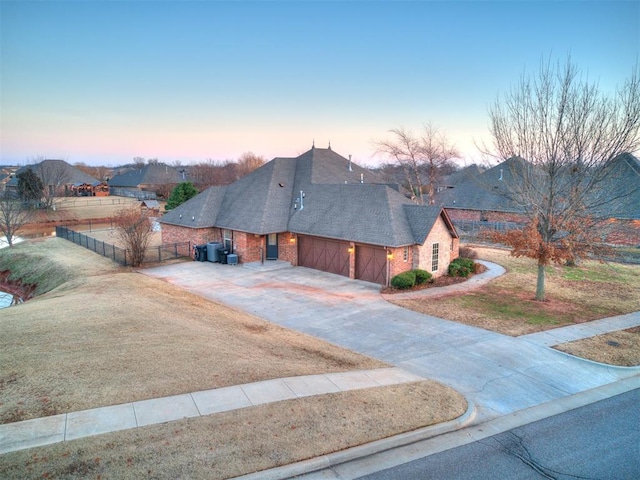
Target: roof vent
x=350 y=169
x=362 y=178
x=500 y=179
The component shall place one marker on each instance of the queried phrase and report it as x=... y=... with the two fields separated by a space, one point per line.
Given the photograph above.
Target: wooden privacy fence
x=122 y=255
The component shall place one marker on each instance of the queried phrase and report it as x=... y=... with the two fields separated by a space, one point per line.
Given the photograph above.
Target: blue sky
x=102 y=82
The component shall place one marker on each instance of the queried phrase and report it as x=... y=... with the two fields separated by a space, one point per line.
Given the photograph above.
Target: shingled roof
x=148 y=175
x=340 y=200
x=617 y=196
x=56 y=172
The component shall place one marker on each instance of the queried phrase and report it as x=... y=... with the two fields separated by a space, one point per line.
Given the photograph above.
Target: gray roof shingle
x=336 y=203
x=148 y=175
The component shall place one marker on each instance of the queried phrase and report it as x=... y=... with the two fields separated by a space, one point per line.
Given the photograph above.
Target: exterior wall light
x=292 y=238
x=389 y=256
x=350 y=249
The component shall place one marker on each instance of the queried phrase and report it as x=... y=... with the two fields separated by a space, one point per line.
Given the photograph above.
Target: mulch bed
x=442 y=281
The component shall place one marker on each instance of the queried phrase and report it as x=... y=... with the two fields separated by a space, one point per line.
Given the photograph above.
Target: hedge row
x=410 y=279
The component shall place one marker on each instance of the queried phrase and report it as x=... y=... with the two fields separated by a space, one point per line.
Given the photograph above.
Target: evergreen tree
x=30 y=187
x=180 y=194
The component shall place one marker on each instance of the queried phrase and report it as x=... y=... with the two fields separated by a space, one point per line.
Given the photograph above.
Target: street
x=598 y=441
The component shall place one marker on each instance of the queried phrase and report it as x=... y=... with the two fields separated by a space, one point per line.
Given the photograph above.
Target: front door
x=272 y=246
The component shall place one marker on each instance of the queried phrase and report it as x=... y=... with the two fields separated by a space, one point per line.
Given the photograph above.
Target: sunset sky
x=101 y=82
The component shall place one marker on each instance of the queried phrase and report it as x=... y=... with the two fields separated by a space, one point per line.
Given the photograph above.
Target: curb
x=361 y=451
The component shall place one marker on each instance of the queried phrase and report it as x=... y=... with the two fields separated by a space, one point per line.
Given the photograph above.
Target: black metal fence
x=158 y=253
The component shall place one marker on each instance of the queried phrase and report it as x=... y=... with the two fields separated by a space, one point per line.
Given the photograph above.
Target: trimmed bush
x=422 y=276
x=461 y=267
x=404 y=280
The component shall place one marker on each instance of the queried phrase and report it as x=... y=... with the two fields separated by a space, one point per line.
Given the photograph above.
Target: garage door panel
x=323 y=254
x=371 y=264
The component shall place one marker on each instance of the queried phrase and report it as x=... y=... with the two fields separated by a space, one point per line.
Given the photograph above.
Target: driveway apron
x=498 y=373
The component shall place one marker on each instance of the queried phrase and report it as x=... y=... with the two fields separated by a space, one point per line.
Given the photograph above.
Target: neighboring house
x=6 y=174
x=481 y=200
x=320 y=211
x=58 y=177
x=95 y=189
x=144 y=182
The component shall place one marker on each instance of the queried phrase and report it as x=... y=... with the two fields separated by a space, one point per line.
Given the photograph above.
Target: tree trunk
x=540 y=283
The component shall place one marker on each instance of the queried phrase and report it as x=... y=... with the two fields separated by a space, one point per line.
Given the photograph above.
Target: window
x=434 y=257
x=227 y=238
x=405 y=254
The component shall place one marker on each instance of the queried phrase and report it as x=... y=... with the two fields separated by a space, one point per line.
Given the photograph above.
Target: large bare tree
x=416 y=154
x=248 y=162
x=14 y=215
x=567 y=132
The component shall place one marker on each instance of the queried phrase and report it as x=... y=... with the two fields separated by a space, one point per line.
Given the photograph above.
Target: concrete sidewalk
x=96 y=421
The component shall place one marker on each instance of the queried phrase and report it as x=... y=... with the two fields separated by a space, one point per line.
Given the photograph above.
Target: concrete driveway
x=498 y=373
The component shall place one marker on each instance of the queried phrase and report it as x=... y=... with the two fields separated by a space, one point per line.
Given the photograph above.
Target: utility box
x=232 y=259
x=212 y=251
x=201 y=253
x=222 y=255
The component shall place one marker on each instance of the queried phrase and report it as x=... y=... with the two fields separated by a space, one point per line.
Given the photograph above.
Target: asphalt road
x=598 y=441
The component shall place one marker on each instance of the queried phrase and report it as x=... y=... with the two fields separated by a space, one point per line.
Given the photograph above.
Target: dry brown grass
x=109 y=335
x=114 y=336
x=243 y=441
x=574 y=295
x=620 y=348
x=507 y=305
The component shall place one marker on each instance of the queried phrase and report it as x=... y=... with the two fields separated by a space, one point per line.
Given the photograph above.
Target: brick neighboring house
x=481 y=199
x=143 y=182
x=320 y=211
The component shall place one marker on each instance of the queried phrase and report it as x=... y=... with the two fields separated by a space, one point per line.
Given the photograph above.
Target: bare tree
x=99 y=172
x=568 y=133
x=55 y=176
x=436 y=153
x=213 y=172
x=14 y=215
x=134 y=229
x=430 y=151
x=248 y=162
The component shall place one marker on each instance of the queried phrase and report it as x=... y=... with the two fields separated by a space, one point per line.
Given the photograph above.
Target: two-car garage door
x=324 y=254
x=333 y=256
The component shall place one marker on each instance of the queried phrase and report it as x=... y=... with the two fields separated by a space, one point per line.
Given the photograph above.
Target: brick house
x=321 y=211
x=483 y=199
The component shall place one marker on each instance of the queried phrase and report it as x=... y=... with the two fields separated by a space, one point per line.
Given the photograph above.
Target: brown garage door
x=371 y=264
x=323 y=254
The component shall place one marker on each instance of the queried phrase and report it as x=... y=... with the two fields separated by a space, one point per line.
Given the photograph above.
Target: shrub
x=422 y=276
x=461 y=267
x=404 y=280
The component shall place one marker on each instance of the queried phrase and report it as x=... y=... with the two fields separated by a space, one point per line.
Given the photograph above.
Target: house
x=319 y=210
x=58 y=177
x=482 y=200
x=146 y=181
x=95 y=189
